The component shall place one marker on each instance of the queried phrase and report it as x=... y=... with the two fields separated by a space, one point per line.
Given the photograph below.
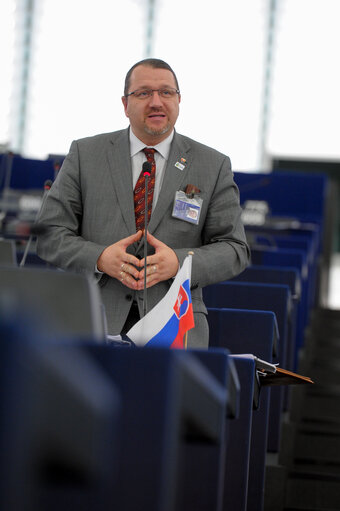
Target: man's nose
x=155 y=99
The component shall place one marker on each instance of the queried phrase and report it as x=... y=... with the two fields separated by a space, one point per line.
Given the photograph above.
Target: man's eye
x=142 y=94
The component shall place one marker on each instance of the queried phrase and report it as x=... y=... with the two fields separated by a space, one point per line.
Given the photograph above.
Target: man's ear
x=125 y=102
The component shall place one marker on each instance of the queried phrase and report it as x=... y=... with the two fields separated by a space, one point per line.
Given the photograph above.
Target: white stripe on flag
x=154 y=321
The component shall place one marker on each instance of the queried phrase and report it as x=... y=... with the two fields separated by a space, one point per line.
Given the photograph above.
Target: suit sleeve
x=62 y=211
x=223 y=252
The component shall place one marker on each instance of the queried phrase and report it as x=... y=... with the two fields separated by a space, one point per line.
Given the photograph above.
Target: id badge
x=187 y=208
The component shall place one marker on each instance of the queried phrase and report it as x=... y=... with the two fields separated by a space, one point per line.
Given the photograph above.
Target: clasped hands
x=116 y=262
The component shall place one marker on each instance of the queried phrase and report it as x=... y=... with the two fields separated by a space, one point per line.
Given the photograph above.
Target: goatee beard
x=156 y=133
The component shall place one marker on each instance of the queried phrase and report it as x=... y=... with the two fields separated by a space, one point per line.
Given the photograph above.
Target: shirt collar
x=137 y=145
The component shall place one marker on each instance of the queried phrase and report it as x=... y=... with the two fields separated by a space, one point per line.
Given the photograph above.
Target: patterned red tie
x=139 y=192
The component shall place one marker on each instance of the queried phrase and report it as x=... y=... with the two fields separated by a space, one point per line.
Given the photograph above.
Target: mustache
x=156 y=110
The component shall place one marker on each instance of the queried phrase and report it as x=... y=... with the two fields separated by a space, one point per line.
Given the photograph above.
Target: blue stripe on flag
x=166 y=336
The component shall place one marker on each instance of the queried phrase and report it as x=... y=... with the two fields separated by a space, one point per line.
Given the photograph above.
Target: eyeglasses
x=164 y=93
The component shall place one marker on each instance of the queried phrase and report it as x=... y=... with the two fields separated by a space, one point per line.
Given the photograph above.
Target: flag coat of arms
x=166 y=324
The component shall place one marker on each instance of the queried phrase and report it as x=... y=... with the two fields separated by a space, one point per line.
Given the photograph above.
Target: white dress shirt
x=138 y=158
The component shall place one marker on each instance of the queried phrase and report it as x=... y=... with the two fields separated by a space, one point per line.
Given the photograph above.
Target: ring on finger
x=154 y=268
x=122 y=266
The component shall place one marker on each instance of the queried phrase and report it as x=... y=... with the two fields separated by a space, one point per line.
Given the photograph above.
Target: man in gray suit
x=91 y=216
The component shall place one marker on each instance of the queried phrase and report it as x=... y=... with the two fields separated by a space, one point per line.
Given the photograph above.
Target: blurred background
x=259 y=78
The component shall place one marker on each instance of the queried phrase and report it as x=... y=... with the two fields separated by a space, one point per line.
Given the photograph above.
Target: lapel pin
x=180 y=164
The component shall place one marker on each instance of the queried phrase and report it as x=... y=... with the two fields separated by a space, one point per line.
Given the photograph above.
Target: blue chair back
x=255 y=332
x=238 y=452
x=20 y=173
x=173 y=413
x=59 y=416
x=286 y=276
x=269 y=297
x=297 y=195
x=295 y=259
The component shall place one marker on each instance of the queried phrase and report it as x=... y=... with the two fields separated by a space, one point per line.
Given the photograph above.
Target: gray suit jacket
x=90 y=206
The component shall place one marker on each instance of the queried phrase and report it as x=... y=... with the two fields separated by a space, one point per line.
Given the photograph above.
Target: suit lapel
x=173 y=179
x=121 y=172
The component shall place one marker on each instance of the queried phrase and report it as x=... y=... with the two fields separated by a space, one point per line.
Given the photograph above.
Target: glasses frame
x=177 y=91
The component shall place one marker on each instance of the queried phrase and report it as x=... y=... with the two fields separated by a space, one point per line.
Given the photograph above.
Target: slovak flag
x=166 y=324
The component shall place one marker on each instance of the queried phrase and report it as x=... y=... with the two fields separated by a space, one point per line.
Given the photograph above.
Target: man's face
x=151 y=119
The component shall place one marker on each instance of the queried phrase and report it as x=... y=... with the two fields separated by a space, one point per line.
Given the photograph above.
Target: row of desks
x=95 y=426
x=189 y=429
x=192 y=424
x=266 y=309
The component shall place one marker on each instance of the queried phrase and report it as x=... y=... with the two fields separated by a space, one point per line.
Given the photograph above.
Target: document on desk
x=272 y=374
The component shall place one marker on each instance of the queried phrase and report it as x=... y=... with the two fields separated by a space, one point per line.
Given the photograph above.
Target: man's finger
x=150 y=261
x=130 y=269
x=127 y=280
x=124 y=243
x=131 y=239
x=151 y=269
x=150 y=281
x=154 y=242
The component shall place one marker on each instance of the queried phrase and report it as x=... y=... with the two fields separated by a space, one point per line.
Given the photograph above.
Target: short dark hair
x=155 y=64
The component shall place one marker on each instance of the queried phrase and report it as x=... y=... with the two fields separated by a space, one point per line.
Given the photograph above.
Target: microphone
x=36 y=229
x=57 y=167
x=147 y=166
x=47 y=185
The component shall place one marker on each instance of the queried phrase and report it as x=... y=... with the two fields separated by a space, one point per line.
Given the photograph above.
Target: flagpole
x=190 y=253
x=146 y=213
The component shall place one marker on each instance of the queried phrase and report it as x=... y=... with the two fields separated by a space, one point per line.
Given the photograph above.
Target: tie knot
x=149 y=153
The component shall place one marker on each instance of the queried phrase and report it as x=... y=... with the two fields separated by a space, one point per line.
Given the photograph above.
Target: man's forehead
x=145 y=73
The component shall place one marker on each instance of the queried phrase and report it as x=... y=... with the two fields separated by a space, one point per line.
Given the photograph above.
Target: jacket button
x=128 y=297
